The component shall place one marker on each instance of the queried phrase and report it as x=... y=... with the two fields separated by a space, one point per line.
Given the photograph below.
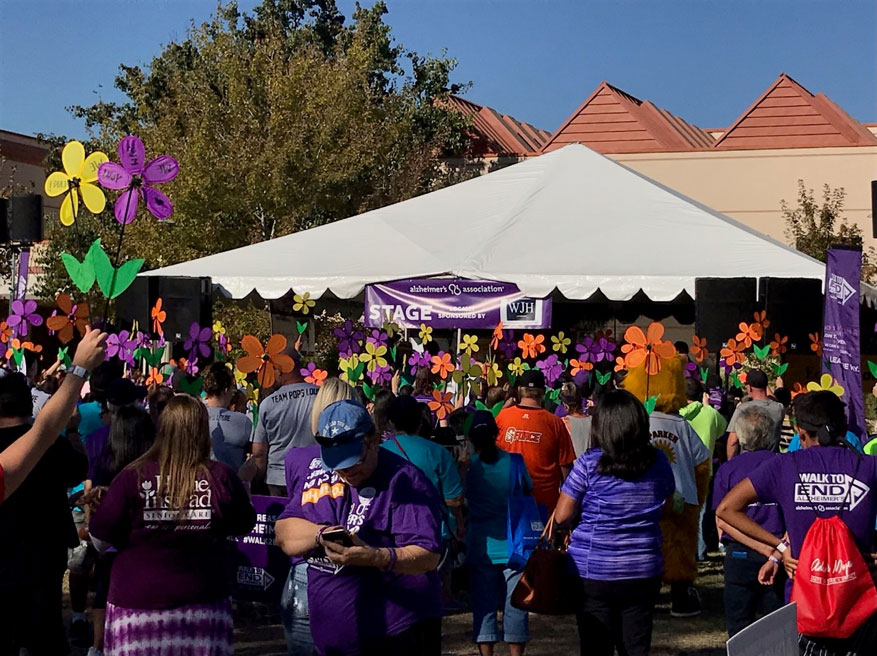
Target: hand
x=791 y=564
x=394 y=383
x=298 y=341
x=768 y=572
x=91 y=350
x=359 y=555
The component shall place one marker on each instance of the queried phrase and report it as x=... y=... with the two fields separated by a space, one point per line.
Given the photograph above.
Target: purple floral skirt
x=193 y=630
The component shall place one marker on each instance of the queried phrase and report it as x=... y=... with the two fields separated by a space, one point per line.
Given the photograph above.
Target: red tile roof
x=497 y=134
x=787 y=115
x=612 y=121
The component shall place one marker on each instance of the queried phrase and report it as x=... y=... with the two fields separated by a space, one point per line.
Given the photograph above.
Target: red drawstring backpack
x=833 y=586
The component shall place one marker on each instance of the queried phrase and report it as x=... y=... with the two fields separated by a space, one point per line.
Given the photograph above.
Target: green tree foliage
x=282 y=119
x=813 y=228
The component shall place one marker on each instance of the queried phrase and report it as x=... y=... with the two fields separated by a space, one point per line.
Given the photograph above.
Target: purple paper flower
x=691 y=370
x=191 y=366
x=308 y=371
x=381 y=375
x=349 y=339
x=24 y=314
x=417 y=360
x=121 y=345
x=602 y=349
x=198 y=342
x=507 y=346
x=136 y=176
x=585 y=350
x=378 y=338
x=551 y=367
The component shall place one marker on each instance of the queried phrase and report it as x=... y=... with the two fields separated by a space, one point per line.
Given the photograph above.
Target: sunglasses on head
x=337 y=440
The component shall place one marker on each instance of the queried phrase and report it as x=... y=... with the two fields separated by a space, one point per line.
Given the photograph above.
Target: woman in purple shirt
x=613 y=498
x=169 y=515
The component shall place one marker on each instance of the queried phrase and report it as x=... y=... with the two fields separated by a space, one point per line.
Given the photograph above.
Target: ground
x=258 y=633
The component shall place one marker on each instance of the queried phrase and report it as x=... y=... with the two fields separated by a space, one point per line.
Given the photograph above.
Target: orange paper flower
x=268 y=361
x=17 y=344
x=155 y=377
x=732 y=353
x=578 y=366
x=441 y=404
x=497 y=336
x=761 y=320
x=698 y=349
x=647 y=348
x=70 y=317
x=5 y=332
x=158 y=317
x=798 y=388
x=442 y=365
x=620 y=364
x=778 y=344
x=816 y=344
x=531 y=346
x=749 y=333
x=317 y=377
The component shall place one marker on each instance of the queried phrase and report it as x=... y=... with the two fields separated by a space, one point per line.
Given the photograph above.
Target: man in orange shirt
x=541 y=438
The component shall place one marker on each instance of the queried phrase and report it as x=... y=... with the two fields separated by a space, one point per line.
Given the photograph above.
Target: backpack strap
x=401 y=450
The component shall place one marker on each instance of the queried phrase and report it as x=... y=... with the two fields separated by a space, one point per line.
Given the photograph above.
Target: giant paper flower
x=373 y=356
x=73 y=316
x=496 y=337
x=136 y=176
x=815 y=344
x=425 y=334
x=551 y=367
x=732 y=353
x=24 y=315
x=268 y=361
x=442 y=364
x=122 y=346
x=492 y=372
x=155 y=377
x=603 y=349
x=517 y=367
x=158 y=316
x=826 y=383
x=349 y=338
x=381 y=375
x=760 y=319
x=698 y=348
x=531 y=346
x=560 y=342
x=441 y=404
x=508 y=344
x=80 y=172
x=620 y=364
x=647 y=348
x=417 y=360
x=6 y=332
x=778 y=344
x=749 y=333
x=198 y=342
x=580 y=366
x=347 y=363
x=469 y=344
x=303 y=303
x=314 y=375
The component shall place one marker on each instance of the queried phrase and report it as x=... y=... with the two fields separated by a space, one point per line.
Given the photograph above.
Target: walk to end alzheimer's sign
x=260 y=566
x=841 y=344
x=454 y=303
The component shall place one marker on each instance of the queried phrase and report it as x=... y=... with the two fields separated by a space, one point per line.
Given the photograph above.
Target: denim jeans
x=491 y=587
x=294 y=612
x=745 y=598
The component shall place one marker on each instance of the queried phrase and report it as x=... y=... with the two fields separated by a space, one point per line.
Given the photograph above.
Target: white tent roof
x=571 y=219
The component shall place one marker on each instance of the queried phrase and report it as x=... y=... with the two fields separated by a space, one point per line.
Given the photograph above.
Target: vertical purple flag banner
x=260 y=566
x=841 y=344
x=21 y=274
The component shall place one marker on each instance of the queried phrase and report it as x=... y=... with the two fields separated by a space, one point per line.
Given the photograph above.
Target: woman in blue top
x=613 y=499
x=492 y=580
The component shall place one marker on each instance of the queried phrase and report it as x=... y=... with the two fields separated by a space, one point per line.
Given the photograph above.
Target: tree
x=281 y=120
x=813 y=228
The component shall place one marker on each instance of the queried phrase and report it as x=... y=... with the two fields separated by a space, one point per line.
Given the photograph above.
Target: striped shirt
x=618 y=536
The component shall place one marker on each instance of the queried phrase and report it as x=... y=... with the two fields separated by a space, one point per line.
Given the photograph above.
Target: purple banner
x=260 y=566
x=454 y=303
x=840 y=333
x=21 y=274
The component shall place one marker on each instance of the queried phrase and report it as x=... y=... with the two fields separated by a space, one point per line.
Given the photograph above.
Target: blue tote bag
x=525 y=520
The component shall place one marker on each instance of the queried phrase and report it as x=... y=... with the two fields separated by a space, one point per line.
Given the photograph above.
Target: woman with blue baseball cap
x=369 y=525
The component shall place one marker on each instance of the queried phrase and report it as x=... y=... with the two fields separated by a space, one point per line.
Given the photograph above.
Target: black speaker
x=794 y=308
x=4 y=221
x=720 y=304
x=26 y=219
x=185 y=300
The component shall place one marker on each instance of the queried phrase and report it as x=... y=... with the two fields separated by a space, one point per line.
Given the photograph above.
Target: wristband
x=774 y=559
x=391 y=561
x=76 y=370
x=781 y=548
x=318 y=537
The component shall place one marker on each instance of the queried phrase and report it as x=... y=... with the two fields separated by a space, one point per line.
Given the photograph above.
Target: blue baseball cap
x=341 y=431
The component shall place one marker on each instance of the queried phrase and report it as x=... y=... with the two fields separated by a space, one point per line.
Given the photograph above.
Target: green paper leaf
x=651 y=403
x=464 y=362
x=18 y=356
x=152 y=359
x=553 y=395
x=192 y=386
x=704 y=374
x=125 y=275
x=354 y=374
x=457 y=376
x=405 y=380
x=393 y=352
x=475 y=386
x=81 y=273
x=369 y=391
x=780 y=369
x=497 y=408
x=603 y=378
x=103 y=268
x=526 y=366
x=302 y=326
x=761 y=351
x=480 y=406
x=873 y=368
x=736 y=380
x=64 y=357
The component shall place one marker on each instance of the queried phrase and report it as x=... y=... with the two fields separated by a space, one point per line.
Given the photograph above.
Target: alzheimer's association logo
x=839 y=289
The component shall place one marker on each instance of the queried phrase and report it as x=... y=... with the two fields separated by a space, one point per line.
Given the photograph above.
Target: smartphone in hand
x=338 y=536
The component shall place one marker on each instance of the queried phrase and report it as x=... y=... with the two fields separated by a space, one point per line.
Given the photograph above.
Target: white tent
x=572 y=220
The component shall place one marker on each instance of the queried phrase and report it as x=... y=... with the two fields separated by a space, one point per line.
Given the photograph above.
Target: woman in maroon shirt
x=169 y=514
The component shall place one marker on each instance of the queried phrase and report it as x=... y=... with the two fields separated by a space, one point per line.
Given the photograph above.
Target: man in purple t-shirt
x=369 y=524
x=826 y=478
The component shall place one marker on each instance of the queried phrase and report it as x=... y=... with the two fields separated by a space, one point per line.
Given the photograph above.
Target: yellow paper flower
x=239 y=376
x=252 y=393
x=425 y=334
x=827 y=384
x=492 y=372
x=390 y=327
x=469 y=344
x=77 y=178
x=374 y=356
x=516 y=366
x=560 y=343
x=303 y=303
x=218 y=328
x=347 y=363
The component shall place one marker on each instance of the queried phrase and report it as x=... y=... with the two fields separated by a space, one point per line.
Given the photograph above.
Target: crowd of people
x=396 y=515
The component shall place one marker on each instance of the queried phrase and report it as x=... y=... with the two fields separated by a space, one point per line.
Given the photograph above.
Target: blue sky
x=534 y=59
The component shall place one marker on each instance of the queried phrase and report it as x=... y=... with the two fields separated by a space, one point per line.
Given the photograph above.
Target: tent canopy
x=572 y=220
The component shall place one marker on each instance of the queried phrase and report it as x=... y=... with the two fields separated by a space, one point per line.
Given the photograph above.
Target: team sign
x=454 y=303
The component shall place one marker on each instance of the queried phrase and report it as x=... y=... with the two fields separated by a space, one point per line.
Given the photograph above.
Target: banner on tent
x=454 y=303
x=841 y=344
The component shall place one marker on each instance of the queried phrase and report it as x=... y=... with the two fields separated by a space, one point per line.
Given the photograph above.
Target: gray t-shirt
x=285 y=422
x=40 y=398
x=229 y=433
x=775 y=409
x=579 y=432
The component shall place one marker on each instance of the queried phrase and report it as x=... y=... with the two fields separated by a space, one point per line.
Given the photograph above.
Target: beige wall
x=748 y=185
